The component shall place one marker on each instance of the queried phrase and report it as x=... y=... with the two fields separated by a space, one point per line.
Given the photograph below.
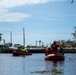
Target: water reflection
x=23 y=65
x=54 y=67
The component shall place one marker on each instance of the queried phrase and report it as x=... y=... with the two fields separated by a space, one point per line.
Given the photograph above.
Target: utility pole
x=24 y=37
x=11 y=37
x=36 y=43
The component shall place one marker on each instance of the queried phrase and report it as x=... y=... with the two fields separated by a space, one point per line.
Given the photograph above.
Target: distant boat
x=54 y=57
x=18 y=53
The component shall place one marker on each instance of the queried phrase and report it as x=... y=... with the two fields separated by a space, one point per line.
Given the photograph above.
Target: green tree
x=39 y=42
x=74 y=34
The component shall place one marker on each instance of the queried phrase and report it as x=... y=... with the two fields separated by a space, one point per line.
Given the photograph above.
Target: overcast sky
x=45 y=20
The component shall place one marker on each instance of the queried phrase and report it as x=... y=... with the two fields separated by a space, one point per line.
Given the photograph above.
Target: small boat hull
x=54 y=57
x=18 y=53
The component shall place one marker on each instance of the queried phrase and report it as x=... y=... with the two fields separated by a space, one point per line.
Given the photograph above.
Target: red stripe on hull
x=54 y=57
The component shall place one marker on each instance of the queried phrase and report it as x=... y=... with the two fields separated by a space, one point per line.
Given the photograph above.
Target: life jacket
x=23 y=49
x=54 y=48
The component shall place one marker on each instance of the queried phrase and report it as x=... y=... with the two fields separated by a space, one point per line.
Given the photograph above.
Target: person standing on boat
x=61 y=51
x=23 y=49
x=55 y=47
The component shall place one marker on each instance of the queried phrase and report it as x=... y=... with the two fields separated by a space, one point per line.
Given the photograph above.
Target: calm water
x=36 y=65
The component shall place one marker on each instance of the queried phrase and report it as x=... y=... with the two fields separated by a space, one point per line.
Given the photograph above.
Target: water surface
x=36 y=65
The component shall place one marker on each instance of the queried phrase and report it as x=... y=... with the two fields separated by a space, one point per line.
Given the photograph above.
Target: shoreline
x=10 y=50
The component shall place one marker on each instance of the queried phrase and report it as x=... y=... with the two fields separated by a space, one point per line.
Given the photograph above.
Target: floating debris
x=54 y=72
x=41 y=72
